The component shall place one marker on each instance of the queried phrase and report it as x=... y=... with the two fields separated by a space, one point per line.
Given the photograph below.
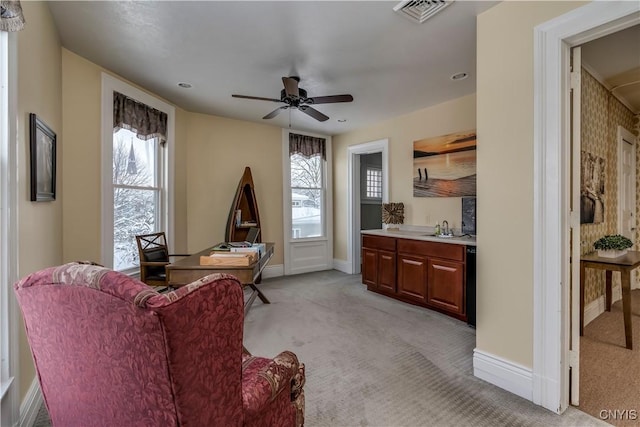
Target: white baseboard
x=507 y=375
x=341 y=265
x=596 y=307
x=273 y=271
x=30 y=405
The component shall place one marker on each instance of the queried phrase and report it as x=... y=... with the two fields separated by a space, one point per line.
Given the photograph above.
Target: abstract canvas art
x=445 y=166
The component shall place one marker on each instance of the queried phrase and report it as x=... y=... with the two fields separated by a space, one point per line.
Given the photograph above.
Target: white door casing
x=626 y=183
x=573 y=323
x=353 y=194
x=552 y=42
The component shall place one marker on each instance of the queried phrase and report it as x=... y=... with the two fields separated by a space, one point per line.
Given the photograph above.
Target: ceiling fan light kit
x=296 y=97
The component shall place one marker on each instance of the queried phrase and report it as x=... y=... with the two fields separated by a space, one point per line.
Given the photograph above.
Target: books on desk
x=258 y=248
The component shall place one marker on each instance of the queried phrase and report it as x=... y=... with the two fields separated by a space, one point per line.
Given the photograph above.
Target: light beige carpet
x=373 y=361
x=609 y=373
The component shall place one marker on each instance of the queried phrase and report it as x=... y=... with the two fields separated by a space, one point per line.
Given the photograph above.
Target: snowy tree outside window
x=136 y=194
x=307 y=195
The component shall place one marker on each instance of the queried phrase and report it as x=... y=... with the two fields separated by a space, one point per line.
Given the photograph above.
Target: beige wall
x=218 y=151
x=452 y=116
x=82 y=120
x=505 y=176
x=39 y=92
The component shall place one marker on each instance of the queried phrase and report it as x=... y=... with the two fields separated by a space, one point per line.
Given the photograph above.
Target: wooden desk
x=187 y=270
x=624 y=264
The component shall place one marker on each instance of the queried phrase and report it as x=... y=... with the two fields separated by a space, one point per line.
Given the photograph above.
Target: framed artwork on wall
x=445 y=165
x=592 y=177
x=43 y=160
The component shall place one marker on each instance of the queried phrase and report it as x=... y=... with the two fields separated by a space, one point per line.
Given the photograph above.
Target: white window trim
x=289 y=242
x=327 y=202
x=9 y=319
x=109 y=85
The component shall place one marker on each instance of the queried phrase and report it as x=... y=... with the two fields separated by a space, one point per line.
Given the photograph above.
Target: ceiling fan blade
x=291 y=87
x=313 y=113
x=330 y=99
x=275 y=112
x=257 y=97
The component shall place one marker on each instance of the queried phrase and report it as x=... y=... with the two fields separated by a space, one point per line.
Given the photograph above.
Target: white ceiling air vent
x=421 y=10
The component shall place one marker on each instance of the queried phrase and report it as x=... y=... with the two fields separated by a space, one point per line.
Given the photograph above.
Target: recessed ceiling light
x=185 y=85
x=342 y=120
x=459 y=76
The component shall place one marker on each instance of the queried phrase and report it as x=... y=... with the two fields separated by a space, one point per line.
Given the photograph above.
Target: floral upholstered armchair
x=110 y=350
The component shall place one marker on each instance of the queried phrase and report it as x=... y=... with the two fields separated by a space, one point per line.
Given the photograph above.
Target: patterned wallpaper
x=601 y=116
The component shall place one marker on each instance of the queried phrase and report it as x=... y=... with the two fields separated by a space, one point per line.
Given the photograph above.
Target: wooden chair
x=154 y=256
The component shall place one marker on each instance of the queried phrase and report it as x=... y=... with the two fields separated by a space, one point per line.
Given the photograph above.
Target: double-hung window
x=307 y=168
x=137 y=178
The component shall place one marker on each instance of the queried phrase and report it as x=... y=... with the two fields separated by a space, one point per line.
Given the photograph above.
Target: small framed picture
x=43 y=160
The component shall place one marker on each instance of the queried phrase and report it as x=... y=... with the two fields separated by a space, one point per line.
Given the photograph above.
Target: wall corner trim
x=507 y=375
x=343 y=266
x=31 y=404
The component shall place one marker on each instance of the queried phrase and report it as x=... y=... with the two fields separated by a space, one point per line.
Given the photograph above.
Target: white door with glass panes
x=307 y=209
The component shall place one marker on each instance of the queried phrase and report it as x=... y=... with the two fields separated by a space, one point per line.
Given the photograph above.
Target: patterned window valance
x=306 y=145
x=145 y=121
x=11 y=17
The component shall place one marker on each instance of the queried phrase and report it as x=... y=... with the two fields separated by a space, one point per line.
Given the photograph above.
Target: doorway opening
x=552 y=315
x=376 y=155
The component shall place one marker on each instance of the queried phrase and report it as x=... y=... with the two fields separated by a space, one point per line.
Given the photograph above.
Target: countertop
x=424 y=235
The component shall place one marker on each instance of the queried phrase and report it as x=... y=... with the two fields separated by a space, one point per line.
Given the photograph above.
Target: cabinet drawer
x=379 y=242
x=431 y=249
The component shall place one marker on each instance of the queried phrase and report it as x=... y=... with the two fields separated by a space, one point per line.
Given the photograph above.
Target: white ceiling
x=615 y=62
x=391 y=65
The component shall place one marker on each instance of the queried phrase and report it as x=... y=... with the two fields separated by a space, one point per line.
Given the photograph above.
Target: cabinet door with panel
x=446 y=285
x=370 y=268
x=387 y=271
x=412 y=277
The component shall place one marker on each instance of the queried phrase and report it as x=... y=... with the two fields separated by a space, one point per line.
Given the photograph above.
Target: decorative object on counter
x=612 y=246
x=393 y=213
x=591 y=188
x=451 y=164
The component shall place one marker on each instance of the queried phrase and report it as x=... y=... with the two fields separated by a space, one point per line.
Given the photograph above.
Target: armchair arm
x=263 y=380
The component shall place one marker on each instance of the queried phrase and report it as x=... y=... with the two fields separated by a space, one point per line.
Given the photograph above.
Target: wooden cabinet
x=430 y=274
x=412 y=277
x=386 y=271
x=379 y=263
x=446 y=285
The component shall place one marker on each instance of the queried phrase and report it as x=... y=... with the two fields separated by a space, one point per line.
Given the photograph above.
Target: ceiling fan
x=296 y=97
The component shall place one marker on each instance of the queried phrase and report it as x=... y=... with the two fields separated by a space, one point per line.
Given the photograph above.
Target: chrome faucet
x=445 y=227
